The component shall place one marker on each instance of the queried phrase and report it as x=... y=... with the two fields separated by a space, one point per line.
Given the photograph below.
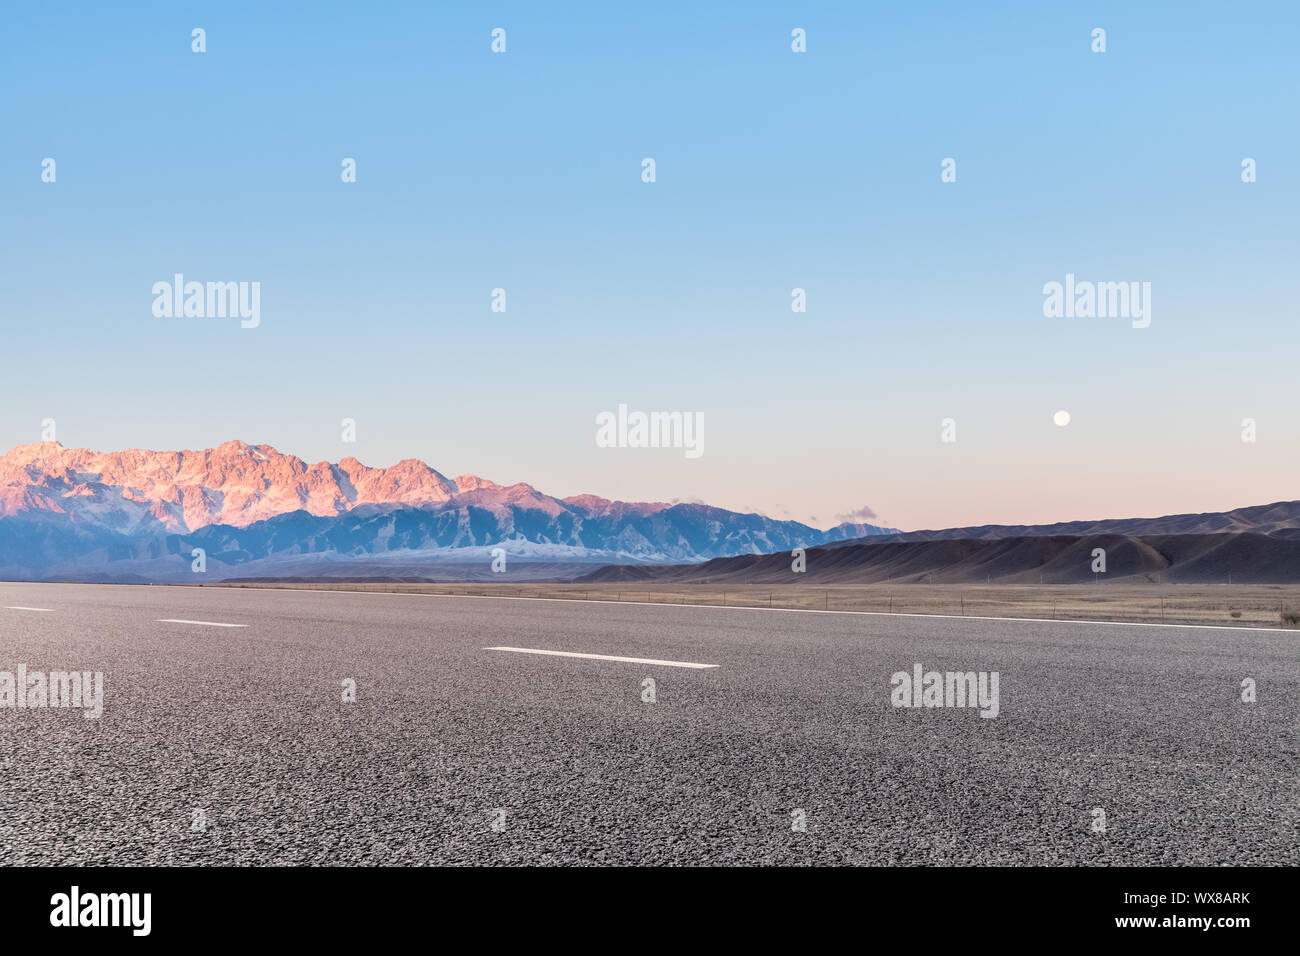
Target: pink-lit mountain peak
x=235 y=483
x=136 y=515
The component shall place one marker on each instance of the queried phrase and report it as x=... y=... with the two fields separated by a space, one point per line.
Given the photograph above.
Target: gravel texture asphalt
x=453 y=753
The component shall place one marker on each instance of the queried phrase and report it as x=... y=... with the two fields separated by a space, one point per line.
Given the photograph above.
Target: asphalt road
x=248 y=724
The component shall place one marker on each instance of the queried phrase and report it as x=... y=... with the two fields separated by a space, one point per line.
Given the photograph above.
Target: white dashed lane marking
x=175 y=620
x=602 y=657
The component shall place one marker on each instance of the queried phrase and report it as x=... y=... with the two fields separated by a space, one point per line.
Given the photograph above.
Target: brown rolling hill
x=1240 y=557
x=1264 y=519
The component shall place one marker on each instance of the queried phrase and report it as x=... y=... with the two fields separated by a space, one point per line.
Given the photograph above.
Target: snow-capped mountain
x=75 y=512
x=235 y=484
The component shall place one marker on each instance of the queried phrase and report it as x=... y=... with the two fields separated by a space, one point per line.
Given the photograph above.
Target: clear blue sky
x=775 y=170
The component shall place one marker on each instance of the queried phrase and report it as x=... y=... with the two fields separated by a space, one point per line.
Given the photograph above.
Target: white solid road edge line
x=176 y=620
x=602 y=657
x=16 y=607
x=817 y=610
x=787 y=610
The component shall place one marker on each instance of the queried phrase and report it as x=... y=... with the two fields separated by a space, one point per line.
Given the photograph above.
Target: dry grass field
x=1247 y=605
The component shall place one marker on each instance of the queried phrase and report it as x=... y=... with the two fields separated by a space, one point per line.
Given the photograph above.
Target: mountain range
x=1257 y=544
x=138 y=515
x=1280 y=516
x=134 y=516
x=1241 y=557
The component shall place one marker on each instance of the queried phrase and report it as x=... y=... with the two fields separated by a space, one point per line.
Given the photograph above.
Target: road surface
x=457 y=750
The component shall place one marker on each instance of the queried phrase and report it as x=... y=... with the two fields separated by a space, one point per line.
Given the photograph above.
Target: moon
x=1062 y=418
